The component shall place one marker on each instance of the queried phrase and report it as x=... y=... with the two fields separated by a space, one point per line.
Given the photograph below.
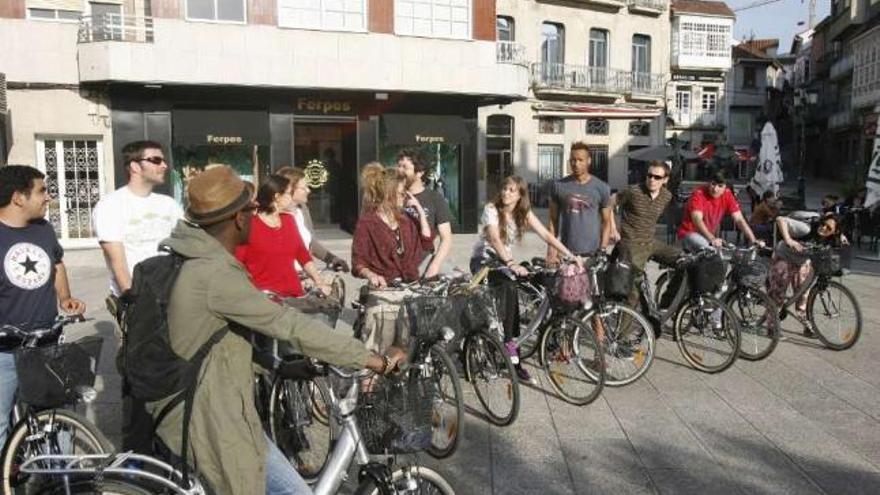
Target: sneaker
x=808 y=333
x=524 y=375
x=512 y=351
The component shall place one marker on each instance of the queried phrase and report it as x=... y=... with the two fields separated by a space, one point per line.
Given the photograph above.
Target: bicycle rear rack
x=99 y=466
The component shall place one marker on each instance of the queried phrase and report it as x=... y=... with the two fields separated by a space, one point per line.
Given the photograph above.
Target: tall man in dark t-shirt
x=33 y=283
x=580 y=213
x=412 y=166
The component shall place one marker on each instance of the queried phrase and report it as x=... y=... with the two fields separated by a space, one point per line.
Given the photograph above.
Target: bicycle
x=448 y=404
x=52 y=374
x=704 y=327
x=467 y=307
x=567 y=347
x=827 y=298
x=349 y=406
x=745 y=293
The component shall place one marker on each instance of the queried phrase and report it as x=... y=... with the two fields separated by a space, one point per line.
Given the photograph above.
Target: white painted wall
x=38 y=51
x=206 y=53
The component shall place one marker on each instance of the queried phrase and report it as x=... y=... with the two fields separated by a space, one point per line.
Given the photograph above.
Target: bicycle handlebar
x=12 y=331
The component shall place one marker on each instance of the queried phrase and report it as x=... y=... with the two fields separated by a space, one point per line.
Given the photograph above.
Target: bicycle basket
x=394 y=415
x=572 y=287
x=617 y=280
x=419 y=318
x=49 y=376
x=826 y=263
x=751 y=273
x=706 y=274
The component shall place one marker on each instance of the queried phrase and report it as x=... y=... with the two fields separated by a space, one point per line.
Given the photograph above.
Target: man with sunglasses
x=129 y=223
x=640 y=207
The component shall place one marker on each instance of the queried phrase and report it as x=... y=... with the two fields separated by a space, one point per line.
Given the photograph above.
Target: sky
x=775 y=20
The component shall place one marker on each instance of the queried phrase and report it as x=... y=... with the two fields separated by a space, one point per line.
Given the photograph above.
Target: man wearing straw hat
x=227 y=443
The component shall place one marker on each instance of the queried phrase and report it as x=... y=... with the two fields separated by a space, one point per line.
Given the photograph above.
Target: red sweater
x=269 y=255
x=713 y=210
x=375 y=247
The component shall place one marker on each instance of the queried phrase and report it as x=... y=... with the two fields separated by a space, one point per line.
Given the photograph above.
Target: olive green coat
x=228 y=445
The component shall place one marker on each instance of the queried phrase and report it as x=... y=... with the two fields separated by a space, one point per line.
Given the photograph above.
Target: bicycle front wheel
x=628 y=343
x=707 y=332
x=493 y=377
x=58 y=431
x=568 y=349
x=447 y=415
x=835 y=315
x=299 y=424
x=758 y=322
x=414 y=480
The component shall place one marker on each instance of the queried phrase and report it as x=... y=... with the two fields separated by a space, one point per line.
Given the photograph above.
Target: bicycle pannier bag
x=617 y=280
x=707 y=274
x=572 y=285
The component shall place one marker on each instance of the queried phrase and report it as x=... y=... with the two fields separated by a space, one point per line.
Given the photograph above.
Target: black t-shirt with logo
x=27 y=281
x=435 y=206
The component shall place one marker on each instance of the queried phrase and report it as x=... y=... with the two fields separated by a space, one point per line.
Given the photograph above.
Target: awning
x=410 y=129
x=579 y=111
x=219 y=127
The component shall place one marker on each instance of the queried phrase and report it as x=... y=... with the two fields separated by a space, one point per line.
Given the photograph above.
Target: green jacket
x=228 y=446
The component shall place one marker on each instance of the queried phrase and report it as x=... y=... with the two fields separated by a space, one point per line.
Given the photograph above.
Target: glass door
x=327 y=152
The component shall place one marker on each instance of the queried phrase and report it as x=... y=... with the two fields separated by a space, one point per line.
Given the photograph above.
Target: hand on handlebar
x=73 y=306
x=717 y=242
x=394 y=356
x=377 y=281
x=519 y=270
x=795 y=245
x=338 y=265
x=759 y=243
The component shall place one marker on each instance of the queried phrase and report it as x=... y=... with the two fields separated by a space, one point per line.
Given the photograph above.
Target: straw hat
x=216 y=194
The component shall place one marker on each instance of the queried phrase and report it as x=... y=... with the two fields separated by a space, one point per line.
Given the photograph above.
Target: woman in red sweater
x=275 y=243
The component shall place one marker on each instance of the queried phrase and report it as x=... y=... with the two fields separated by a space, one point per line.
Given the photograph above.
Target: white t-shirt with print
x=490 y=217
x=139 y=223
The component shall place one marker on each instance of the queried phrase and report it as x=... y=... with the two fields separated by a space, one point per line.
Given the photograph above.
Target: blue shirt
x=27 y=281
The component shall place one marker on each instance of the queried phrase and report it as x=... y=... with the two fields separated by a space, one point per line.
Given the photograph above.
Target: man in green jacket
x=227 y=442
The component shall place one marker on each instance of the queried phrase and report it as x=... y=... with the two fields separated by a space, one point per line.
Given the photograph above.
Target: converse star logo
x=27 y=266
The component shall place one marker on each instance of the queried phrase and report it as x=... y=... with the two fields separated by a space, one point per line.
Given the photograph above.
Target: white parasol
x=768 y=174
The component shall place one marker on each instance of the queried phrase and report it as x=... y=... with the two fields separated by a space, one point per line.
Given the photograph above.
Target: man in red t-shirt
x=703 y=214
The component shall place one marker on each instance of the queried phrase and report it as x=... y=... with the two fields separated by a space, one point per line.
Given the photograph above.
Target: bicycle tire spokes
x=568 y=349
x=492 y=376
x=835 y=316
x=708 y=335
x=628 y=344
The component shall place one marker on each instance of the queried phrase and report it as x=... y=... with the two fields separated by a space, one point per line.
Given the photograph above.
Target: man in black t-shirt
x=412 y=166
x=33 y=282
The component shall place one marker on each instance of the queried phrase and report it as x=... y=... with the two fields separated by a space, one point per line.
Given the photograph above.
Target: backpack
x=149 y=366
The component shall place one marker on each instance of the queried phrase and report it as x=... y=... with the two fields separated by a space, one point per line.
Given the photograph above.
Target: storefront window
x=250 y=161
x=445 y=177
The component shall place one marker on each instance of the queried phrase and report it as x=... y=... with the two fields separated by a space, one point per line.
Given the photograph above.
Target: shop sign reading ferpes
x=429 y=139
x=225 y=140
x=309 y=105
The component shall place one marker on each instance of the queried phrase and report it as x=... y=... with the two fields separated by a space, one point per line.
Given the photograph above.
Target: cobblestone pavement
x=806 y=420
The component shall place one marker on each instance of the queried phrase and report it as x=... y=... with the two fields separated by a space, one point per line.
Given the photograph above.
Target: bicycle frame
x=648 y=302
x=809 y=284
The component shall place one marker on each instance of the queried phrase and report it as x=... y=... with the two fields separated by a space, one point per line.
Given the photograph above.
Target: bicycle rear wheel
x=299 y=424
x=707 y=332
x=568 y=349
x=447 y=416
x=758 y=322
x=490 y=371
x=58 y=431
x=835 y=315
x=629 y=343
x=414 y=480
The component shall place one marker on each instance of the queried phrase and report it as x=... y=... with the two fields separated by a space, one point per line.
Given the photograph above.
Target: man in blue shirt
x=33 y=282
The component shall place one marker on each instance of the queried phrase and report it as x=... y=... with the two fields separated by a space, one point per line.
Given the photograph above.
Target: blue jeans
x=281 y=477
x=8 y=386
x=694 y=242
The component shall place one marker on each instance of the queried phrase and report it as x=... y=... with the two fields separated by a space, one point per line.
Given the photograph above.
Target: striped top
x=639 y=213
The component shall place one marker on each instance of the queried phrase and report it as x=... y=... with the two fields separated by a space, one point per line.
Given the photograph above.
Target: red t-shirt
x=269 y=255
x=713 y=210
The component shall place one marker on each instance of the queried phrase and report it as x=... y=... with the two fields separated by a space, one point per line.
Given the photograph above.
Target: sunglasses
x=155 y=160
x=656 y=177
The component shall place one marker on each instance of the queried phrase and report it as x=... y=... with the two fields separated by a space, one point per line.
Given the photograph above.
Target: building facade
x=754 y=87
x=696 y=101
x=597 y=74
x=257 y=84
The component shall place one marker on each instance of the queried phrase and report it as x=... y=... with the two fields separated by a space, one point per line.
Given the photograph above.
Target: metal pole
x=801 y=184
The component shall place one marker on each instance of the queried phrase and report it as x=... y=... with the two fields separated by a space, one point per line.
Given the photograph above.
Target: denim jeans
x=281 y=477
x=8 y=386
x=694 y=242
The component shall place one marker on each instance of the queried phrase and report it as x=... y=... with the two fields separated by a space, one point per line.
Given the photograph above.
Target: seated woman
x=387 y=245
x=789 y=266
x=502 y=225
x=275 y=243
x=299 y=208
x=764 y=215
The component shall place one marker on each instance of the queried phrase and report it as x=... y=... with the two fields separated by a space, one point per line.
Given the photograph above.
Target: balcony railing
x=696 y=118
x=510 y=52
x=588 y=79
x=115 y=27
x=649 y=6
